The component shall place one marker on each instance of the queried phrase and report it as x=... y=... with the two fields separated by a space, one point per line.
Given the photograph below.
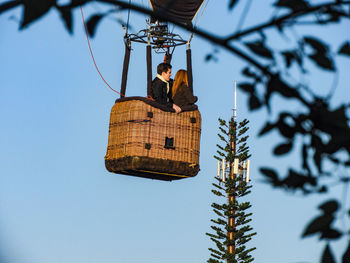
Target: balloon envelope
x=182 y=11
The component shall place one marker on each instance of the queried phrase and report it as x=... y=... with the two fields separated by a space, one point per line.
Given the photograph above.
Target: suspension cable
x=92 y=55
x=127 y=23
x=198 y=19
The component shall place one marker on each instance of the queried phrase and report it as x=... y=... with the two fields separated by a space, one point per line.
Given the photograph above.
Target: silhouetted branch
x=159 y=15
x=10 y=4
x=204 y=34
x=282 y=19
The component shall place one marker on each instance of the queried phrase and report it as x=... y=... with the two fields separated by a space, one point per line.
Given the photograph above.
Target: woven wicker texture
x=142 y=137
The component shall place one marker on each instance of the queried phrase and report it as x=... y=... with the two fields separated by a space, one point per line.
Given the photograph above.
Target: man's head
x=164 y=69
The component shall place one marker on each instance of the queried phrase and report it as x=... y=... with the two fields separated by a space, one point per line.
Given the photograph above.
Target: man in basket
x=161 y=90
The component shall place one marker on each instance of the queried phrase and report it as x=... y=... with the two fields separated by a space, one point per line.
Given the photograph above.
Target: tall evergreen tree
x=231 y=227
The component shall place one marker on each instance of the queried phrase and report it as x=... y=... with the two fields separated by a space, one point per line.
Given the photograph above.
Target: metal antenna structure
x=233 y=169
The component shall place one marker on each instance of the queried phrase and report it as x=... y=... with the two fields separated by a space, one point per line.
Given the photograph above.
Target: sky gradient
x=58 y=203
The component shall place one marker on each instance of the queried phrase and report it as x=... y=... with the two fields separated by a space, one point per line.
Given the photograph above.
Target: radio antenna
x=235 y=103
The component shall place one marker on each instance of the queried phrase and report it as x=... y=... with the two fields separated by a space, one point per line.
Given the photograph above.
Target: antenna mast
x=232 y=169
x=235 y=103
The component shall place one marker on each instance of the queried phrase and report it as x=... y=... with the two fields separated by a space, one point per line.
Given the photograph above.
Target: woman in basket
x=182 y=95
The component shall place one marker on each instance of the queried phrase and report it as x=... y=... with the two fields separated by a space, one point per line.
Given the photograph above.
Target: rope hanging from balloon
x=92 y=55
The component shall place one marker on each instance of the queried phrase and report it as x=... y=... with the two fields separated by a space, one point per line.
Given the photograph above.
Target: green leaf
x=290 y=57
x=333 y=14
x=211 y=57
x=258 y=47
x=218 y=193
x=346 y=256
x=222 y=122
x=345 y=49
x=217 y=158
x=322 y=189
x=254 y=102
x=224 y=131
x=220 y=147
x=294 y=5
x=242 y=131
x=268 y=127
x=246 y=72
x=221 y=154
x=320 y=55
x=66 y=15
x=323 y=60
x=232 y=4
x=218 y=213
x=75 y=3
x=296 y=180
x=275 y=84
x=283 y=148
x=247 y=87
x=222 y=138
x=329 y=207
x=34 y=10
x=219 y=221
x=270 y=173
x=305 y=158
x=327 y=256
x=318 y=160
x=217 y=253
x=318 y=225
x=331 y=234
x=243 y=123
x=92 y=23
x=316 y=44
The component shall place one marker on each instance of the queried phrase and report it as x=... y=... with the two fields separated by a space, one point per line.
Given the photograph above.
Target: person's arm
x=176 y=108
x=157 y=92
x=161 y=97
x=189 y=96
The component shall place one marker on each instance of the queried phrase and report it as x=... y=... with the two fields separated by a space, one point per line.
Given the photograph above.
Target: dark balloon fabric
x=182 y=11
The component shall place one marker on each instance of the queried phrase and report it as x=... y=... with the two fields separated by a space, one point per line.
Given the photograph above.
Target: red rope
x=92 y=55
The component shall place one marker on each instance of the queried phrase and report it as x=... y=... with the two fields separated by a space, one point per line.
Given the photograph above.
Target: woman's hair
x=180 y=77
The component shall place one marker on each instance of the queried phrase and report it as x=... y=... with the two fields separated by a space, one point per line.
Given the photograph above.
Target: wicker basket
x=147 y=141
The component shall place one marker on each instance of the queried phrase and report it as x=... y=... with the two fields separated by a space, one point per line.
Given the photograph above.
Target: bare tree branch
x=204 y=34
x=279 y=21
x=9 y=5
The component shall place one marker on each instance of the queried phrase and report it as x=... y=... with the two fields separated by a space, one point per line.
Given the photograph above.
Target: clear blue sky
x=58 y=203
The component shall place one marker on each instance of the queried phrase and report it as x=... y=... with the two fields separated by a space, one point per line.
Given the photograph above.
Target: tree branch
x=8 y=5
x=204 y=34
x=278 y=21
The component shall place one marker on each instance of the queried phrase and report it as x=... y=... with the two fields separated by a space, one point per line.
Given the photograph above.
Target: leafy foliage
x=259 y=48
x=327 y=256
x=345 y=49
x=322 y=224
x=232 y=3
x=232 y=210
x=34 y=10
x=346 y=256
x=320 y=53
x=92 y=23
x=294 y=5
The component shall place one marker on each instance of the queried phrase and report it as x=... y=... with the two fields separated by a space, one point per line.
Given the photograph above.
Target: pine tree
x=231 y=227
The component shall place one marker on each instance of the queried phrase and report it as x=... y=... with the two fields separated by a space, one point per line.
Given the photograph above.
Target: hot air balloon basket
x=148 y=140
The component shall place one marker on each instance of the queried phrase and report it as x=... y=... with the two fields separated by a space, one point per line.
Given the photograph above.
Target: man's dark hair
x=163 y=67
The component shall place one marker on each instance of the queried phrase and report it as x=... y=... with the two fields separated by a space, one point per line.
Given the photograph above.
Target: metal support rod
x=189 y=67
x=167 y=56
x=149 y=69
x=235 y=103
x=125 y=69
x=231 y=197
